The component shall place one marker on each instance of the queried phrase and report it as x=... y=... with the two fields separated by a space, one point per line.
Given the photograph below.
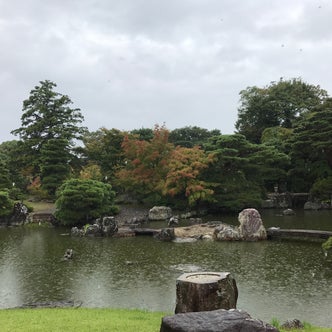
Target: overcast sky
x=129 y=64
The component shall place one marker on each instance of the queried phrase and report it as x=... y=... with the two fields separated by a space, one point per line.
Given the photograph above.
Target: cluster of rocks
x=316 y=206
x=251 y=228
x=18 y=217
x=106 y=226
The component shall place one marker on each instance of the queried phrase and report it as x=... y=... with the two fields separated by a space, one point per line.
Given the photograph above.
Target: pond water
x=283 y=279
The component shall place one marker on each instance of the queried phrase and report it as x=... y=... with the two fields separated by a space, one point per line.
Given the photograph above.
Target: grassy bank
x=82 y=319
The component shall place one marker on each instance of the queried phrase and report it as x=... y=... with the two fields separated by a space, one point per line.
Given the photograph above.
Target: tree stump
x=205 y=291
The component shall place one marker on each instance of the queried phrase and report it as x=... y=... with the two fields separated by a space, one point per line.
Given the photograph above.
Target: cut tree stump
x=205 y=291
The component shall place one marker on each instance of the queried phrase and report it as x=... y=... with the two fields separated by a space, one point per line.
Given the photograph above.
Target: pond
x=283 y=279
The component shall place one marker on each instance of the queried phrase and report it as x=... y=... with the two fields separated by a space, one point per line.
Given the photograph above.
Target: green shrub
x=6 y=204
x=82 y=200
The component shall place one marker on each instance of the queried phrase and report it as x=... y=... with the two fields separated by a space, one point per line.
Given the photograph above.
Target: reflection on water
x=275 y=279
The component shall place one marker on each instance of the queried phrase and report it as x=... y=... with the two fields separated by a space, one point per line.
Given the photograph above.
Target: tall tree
x=103 y=148
x=277 y=137
x=6 y=204
x=5 y=182
x=243 y=171
x=190 y=136
x=47 y=115
x=185 y=167
x=145 y=164
x=55 y=166
x=158 y=172
x=311 y=148
x=281 y=103
x=10 y=156
x=143 y=134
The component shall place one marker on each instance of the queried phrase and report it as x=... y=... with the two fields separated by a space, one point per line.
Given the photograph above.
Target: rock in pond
x=288 y=212
x=107 y=226
x=251 y=225
x=165 y=234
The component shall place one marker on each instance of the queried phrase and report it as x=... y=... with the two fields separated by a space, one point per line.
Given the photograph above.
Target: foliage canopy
x=157 y=168
x=284 y=138
x=281 y=104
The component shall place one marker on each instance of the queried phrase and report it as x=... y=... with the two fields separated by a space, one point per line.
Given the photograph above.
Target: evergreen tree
x=103 y=148
x=47 y=116
x=191 y=136
x=311 y=149
x=54 y=157
x=243 y=171
x=5 y=182
x=6 y=204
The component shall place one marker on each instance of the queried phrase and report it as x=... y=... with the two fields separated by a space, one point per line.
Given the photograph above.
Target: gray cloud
x=131 y=64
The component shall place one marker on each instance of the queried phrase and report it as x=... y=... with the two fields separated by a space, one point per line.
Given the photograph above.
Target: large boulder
x=214 y=321
x=160 y=213
x=251 y=225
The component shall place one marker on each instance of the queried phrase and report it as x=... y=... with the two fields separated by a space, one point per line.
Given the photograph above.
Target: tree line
x=283 y=140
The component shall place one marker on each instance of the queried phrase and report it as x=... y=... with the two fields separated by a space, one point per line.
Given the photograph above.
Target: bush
x=6 y=204
x=82 y=200
x=322 y=189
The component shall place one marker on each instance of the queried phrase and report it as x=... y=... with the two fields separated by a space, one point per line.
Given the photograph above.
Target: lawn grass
x=80 y=320
x=40 y=206
x=307 y=327
x=84 y=319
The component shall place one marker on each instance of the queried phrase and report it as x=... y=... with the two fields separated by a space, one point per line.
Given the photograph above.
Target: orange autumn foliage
x=158 y=166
